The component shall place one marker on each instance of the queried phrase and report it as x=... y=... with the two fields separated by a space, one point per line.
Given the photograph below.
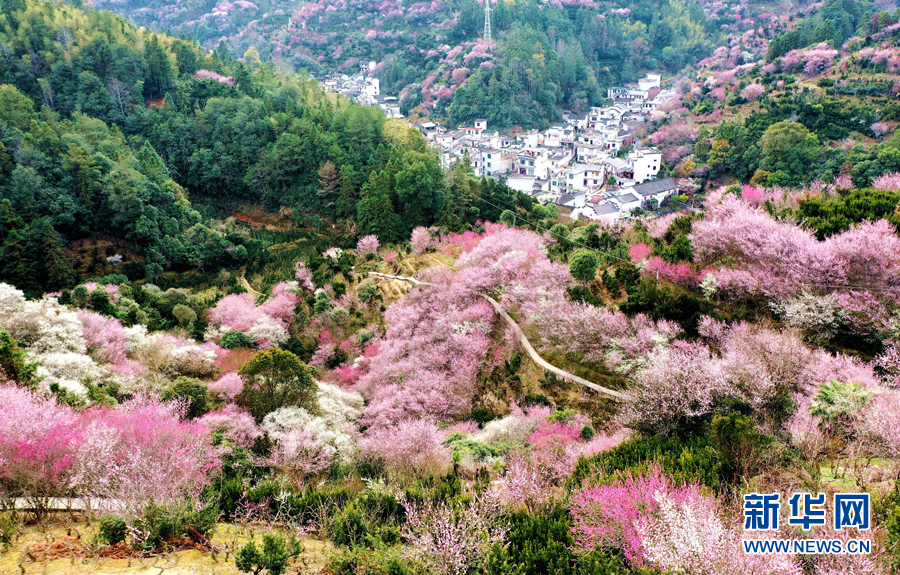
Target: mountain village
x=574 y=164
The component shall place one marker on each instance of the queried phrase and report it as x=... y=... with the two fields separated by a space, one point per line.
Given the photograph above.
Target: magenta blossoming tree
x=35 y=446
x=611 y=515
x=438 y=337
x=141 y=452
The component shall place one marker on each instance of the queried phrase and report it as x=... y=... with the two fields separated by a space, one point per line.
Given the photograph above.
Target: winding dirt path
x=526 y=344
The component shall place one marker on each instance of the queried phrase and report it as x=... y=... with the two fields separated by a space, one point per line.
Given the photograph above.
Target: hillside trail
x=529 y=349
x=246 y=285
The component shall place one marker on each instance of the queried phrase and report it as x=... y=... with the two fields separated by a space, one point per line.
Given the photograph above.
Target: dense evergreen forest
x=547 y=57
x=110 y=131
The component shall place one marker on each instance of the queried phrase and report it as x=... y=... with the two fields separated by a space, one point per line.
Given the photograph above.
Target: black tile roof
x=655 y=187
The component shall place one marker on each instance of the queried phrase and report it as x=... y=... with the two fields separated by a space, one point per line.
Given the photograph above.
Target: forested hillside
x=108 y=131
x=817 y=102
x=548 y=56
x=260 y=330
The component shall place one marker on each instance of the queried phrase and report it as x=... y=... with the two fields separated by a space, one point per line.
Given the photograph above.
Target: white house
x=645 y=163
x=372 y=87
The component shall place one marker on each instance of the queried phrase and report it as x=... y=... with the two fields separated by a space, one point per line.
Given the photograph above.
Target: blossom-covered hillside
x=790 y=102
x=404 y=423
x=547 y=56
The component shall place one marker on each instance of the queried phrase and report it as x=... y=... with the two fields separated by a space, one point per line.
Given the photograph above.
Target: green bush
x=160 y=524
x=460 y=444
x=587 y=433
x=322 y=304
x=367 y=291
x=367 y=561
x=232 y=339
x=113 y=529
x=9 y=526
x=583 y=265
x=346 y=527
x=191 y=390
x=887 y=513
x=542 y=545
x=273 y=558
x=611 y=283
x=685 y=460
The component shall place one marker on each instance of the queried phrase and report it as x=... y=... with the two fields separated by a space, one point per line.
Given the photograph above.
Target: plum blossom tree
x=420 y=240
x=409 y=449
x=265 y=324
x=611 y=514
x=237 y=425
x=438 y=337
x=367 y=245
x=142 y=452
x=227 y=386
x=679 y=386
x=452 y=539
x=304 y=276
x=779 y=259
x=687 y=535
x=752 y=92
x=105 y=337
x=887 y=182
x=305 y=444
x=35 y=438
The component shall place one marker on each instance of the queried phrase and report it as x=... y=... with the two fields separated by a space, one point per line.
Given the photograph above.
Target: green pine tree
x=375 y=213
x=60 y=272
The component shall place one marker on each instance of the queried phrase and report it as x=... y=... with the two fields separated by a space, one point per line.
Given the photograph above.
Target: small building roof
x=655 y=187
x=606 y=209
x=564 y=199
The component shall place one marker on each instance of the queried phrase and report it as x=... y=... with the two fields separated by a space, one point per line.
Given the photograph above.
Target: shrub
x=193 y=392
x=273 y=558
x=13 y=365
x=184 y=314
x=275 y=378
x=232 y=339
x=685 y=460
x=9 y=526
x=583 y=265
x=367 y=291
x=158 y=525
x=113 y=529
x=368 y=561
x=346 y=527
x=543 y=544
x=322 y=304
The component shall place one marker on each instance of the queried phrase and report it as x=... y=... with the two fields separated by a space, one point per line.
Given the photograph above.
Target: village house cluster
x=574 y=164
x=365 y=89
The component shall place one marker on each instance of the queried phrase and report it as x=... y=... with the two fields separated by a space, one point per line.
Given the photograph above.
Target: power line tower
x=487 y=22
